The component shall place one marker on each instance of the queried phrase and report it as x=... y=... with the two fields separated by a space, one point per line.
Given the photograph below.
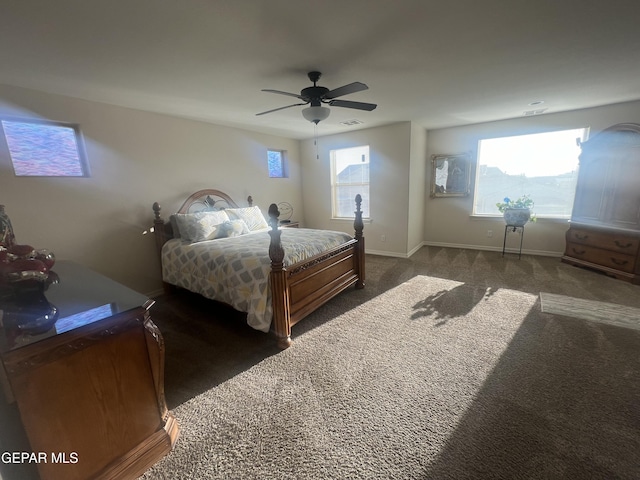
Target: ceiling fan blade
x=345 y=90
x=356 y=105
x=285 y=93
x=281 y=108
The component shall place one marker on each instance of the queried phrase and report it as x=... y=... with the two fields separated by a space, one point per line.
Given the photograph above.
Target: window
x=543 y=166
x=46 y=149
x=275 y=163
x=349 y=176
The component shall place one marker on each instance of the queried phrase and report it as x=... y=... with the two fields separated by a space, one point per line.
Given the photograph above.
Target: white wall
x=417 y=188
x=390 y=157
x=448 y=221
x=136 y=158
x=402 y=209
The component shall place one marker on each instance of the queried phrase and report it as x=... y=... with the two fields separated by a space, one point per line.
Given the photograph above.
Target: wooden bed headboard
x=202 y=200
x=209 y=199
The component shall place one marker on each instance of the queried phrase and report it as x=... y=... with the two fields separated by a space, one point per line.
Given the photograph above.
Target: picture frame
x=450 y=175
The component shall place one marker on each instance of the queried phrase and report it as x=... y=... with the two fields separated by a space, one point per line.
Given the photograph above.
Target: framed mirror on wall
x=450 y=175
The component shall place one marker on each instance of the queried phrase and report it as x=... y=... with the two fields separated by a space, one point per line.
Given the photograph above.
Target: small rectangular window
x=349 y=177
x=45 y=149
x=275 y=164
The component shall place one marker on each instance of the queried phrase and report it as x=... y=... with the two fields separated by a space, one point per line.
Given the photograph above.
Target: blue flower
x=523 y=201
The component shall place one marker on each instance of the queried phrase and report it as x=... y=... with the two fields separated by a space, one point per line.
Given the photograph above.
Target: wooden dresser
x=88 y=381
x=604 y=232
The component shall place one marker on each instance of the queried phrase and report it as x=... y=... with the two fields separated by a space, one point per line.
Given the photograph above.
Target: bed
x=276 y=275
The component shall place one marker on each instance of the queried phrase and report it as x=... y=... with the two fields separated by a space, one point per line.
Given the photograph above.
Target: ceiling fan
x=317 y=95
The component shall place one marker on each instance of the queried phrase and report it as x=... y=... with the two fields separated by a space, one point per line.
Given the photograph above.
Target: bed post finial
x=274 y=213
x=156 y=211
x=358 y=225
x=277 y=277
x=276 y=252
x=160 y=234
x=158 y=226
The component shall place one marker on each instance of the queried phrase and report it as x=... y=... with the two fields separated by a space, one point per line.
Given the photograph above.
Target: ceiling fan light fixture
x=316 y=114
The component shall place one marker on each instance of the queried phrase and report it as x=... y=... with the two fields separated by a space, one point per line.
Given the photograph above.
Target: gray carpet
x=611 y=313
x=443 y=367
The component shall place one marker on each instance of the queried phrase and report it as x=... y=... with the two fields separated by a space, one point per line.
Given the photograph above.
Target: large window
x=543 y=166
x=43 y=148
x=349 y=176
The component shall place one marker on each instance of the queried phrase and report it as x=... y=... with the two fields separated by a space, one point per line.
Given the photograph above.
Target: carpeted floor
x=443 y=367
x=611 y=313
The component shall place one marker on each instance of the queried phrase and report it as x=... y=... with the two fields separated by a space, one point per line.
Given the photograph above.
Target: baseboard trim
x=541 y=253
x=415 y=249
x=383 y=253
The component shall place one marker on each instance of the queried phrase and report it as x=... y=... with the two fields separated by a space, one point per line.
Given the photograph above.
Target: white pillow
x=200 y=226
x=252 y=216
x=234 y=228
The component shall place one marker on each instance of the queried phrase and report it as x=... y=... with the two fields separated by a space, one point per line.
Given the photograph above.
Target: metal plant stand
x=513 y=228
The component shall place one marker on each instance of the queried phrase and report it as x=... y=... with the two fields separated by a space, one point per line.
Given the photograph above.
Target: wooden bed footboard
x=298 y=289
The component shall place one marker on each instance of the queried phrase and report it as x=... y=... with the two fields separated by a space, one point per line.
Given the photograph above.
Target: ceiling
x=438 y=63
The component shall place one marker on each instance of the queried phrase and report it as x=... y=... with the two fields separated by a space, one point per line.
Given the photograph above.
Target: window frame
x=513 y=195
x=82 y=161
x=335 y=185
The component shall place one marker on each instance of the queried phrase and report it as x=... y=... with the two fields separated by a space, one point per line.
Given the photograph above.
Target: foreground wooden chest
x=89 y=389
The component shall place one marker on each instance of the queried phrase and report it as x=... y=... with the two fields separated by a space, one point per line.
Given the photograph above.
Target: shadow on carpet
x=433 y=379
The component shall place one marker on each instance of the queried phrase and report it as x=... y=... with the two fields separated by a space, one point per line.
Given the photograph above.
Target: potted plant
x=517 y=212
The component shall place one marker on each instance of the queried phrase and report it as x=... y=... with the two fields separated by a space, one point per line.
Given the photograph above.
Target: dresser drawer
x=608 y=240
x=606 y=258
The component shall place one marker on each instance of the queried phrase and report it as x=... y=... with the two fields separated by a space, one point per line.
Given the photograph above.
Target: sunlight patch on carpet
x=609 y=313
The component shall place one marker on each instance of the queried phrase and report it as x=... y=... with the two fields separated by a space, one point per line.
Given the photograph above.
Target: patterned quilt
x=236 y=270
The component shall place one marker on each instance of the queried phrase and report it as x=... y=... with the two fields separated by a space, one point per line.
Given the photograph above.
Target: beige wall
x=448 y=221
x=390 y=157
x=417 y=188
x=402 y=210
x=136 y=158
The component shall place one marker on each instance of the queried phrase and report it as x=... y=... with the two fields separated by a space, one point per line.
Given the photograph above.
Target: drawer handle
x=618 y=244
x=619 y=262
x=581 y=236
x=581 y=252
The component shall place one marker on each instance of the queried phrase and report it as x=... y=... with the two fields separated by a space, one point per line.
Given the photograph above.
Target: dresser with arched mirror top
x=604 y=232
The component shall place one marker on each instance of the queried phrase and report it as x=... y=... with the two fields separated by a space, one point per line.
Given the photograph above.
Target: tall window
x=349 y=176
x=43 y=148
x=275 y=164
x=543 y=166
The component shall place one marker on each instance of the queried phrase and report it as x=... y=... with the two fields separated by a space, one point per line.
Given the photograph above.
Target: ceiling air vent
x=529 y=113
x=349 y=123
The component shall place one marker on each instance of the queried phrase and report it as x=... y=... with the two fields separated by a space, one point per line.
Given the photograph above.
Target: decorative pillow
x=252 y=216
x=234 y=228
x=174 y=225
x=200 y=226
